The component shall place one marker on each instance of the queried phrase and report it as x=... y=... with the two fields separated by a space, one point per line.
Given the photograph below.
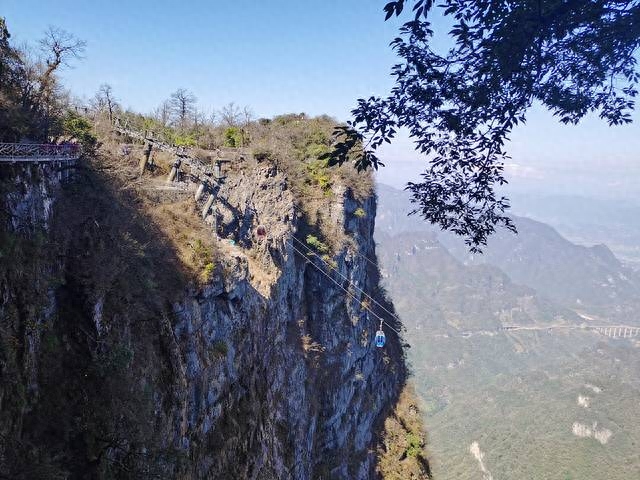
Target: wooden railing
x=31 y=152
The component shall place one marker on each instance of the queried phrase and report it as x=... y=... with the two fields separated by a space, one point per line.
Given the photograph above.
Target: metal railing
x=33 y=152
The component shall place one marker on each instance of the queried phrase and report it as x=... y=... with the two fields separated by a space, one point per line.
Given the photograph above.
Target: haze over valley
x=507 y=351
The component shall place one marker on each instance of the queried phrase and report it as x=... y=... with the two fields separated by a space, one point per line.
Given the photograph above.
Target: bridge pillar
x=174 y=170
x=207 y=205
x=146 y=153
x=199 y=191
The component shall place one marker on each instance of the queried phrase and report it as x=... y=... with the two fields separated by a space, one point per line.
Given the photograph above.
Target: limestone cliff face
x=266 y=370
x=27 y=299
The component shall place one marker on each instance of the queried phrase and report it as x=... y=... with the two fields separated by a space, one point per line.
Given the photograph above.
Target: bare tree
x=183 y=104
x=247 y=116
x=163 y=113
x=212 y=117
x=230 y=114
x=199 y=118
x=59 y=48
x=105 y=100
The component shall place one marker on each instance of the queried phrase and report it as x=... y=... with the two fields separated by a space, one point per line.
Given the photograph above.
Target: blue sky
x=277 y=56
x=314 y=56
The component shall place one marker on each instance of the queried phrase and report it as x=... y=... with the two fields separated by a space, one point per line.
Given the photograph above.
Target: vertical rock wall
x=266 y=371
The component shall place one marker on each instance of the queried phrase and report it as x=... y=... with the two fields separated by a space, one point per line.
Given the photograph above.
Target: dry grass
x=191 y=239
x=309 y=346
x=177 y=222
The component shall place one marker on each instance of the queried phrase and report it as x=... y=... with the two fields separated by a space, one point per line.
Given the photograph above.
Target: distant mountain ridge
x=590 y=280
x=585 y=220
x=435 y=290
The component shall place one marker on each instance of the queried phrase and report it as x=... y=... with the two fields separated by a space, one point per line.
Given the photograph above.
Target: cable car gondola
x=380 y=337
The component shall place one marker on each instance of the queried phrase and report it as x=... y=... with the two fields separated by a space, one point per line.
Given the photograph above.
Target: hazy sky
x=314 y=56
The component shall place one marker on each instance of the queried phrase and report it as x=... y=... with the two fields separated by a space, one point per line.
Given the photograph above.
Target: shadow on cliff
x=111 y=275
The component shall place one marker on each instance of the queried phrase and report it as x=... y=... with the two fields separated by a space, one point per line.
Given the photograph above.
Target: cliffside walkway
x=198 y=168
x=36 y=153
x=208 y=178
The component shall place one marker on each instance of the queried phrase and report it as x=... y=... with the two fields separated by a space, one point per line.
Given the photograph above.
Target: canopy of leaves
x=571 y=56
x=78 y=128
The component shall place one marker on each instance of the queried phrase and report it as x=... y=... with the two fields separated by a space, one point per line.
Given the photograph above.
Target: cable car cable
x=393 y=315
x=342 y=288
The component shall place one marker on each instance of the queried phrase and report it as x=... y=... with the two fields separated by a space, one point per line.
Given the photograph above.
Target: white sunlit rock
x=584 y=401
x=583 y=431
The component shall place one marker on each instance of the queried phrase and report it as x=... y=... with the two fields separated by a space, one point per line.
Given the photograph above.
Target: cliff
x=135 y=342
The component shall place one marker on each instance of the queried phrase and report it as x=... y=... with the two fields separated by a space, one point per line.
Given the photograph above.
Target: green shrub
x=316 y=150
x=207 y=272
x=233 y=137
x=318 y=174
x=184 y=141
x=415 y=445
x=316 y=244
x=220 y=348
x=288 y=118
x=330 y=261
x=202 y=258
x=318 y=136
x=201 y=252
x=79 y=128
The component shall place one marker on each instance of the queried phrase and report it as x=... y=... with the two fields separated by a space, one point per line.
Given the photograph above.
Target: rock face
x=267 y=370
